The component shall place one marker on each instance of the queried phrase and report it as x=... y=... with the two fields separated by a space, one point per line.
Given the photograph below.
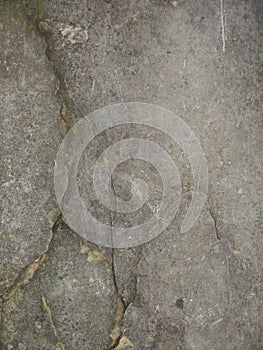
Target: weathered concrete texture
x=29 y=140
x=70 y=303
x=201 y=60
x=185 y=287
x=172 y=54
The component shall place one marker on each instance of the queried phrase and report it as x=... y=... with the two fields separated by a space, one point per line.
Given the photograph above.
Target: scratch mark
x=214 y=323
x=93 y=87
x=223 y=24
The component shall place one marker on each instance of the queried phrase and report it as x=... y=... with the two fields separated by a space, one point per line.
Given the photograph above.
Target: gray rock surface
x=70 y=303
x=200 y=290
x=29 y=140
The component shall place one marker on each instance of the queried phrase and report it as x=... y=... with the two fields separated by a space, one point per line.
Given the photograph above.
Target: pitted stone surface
x=29 y=140
x=79 y=295
x=201 y=290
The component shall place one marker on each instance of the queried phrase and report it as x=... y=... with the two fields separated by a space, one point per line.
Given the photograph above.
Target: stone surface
x=70 y=304
x=200 y=290
x=29 y=140
x=185 y=288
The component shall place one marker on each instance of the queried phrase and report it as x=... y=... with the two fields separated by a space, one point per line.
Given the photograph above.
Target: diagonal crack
x=23 y=278
x=215 y=223
x=27 y=273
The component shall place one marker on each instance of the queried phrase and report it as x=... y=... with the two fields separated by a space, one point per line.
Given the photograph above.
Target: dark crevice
x=69 y=114
x=120 y=299
x=69 y=111
x=116 y=341
x=33 y=17
x=119 y=318
x=215 y=224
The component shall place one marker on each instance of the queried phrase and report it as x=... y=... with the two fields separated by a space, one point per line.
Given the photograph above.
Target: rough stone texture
x=29 y=140
x=79 y=291
x=186 y=288
x=201 y=290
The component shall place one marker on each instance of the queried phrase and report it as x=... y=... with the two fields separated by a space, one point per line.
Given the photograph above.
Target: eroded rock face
x=29 y=140
x=201 y=290
x=69 y=304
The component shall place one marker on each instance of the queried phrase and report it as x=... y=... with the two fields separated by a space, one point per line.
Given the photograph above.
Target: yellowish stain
x=93 y=255
x=139 y=272
x=32 y=268
x=236 y=252
x=116 y=332
x=84 y=248
x=50 y=320
x=44 y=27
x=106 y=159
x=124 y=343
x=65 y=114
x=62 y=126
x=47 y=309
x=25 y=278
x=64 y=111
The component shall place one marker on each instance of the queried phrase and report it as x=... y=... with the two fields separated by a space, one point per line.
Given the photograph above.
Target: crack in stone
x=48 y=312
x=23 y=278
x=65 y=124
x=67 y=119
x=26 y=275
x=116 y=333
x=120 y=341
x=215 y=224
x=69 y=109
